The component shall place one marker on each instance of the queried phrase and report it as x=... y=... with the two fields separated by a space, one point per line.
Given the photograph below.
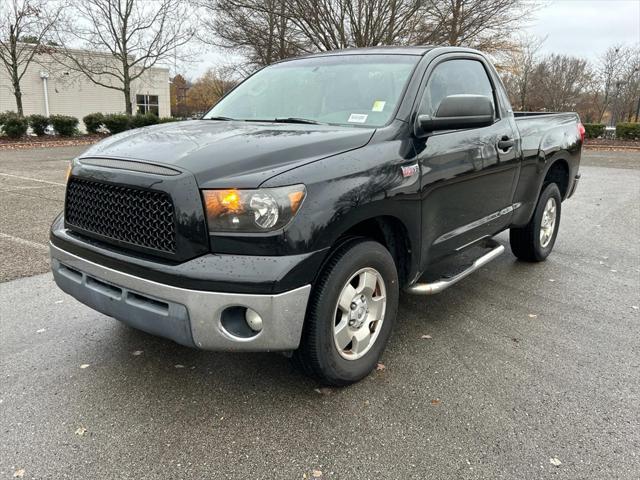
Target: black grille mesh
x=139 y=217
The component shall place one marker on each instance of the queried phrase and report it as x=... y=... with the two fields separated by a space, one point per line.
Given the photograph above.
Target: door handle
x=505 y=143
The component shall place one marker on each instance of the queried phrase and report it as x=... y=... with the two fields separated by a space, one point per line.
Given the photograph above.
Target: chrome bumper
x=189 y=317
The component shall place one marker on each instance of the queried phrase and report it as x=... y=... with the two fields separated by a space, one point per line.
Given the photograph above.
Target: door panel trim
x=476 y=223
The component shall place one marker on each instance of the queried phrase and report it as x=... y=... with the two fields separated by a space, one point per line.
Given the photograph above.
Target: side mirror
x=459 y=111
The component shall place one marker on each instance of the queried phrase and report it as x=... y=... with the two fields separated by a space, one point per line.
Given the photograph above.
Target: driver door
x=466 y=181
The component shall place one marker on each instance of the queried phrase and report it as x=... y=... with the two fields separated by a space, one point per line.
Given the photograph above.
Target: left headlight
x=261 y=210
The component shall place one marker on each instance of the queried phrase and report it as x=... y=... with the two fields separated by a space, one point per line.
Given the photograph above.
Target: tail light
x=581 y=131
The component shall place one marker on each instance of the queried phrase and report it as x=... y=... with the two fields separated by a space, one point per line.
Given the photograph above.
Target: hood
x=224 y=154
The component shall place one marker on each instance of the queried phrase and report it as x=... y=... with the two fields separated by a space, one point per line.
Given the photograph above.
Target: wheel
x=534 y=241
x=351 y=313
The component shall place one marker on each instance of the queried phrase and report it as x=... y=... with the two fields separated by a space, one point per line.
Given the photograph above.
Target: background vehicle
x=291 y=215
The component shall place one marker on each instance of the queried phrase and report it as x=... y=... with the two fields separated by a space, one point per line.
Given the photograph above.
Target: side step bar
x=443 y=284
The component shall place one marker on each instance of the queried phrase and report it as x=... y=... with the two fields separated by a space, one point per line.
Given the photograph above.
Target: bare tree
x=258 y=29
x=24 y=29
x=519 y=67
x=487 y=25
x=558 y=83
x=335 y=24
x=610 y=71
x=133 y=35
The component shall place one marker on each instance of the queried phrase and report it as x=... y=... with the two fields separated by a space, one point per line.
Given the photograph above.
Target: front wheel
x=534 y=241
x=351 y=313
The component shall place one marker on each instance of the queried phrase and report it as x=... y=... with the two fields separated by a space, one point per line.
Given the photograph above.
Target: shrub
x=594 y=130
x=64 y=125
x=143 y=120
x=4 y=116
x=628 y=131
x=14 y=126
x=93 y=122
x=38 y=123
x=169 y=119
x=117 y=122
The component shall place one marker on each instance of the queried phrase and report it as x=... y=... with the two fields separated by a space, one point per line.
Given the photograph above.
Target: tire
x=534 y=241
x=362 y=315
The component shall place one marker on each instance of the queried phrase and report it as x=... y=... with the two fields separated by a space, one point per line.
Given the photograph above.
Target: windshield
x=341 y=89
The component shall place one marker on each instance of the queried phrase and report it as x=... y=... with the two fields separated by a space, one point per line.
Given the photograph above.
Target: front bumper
x=190 y=317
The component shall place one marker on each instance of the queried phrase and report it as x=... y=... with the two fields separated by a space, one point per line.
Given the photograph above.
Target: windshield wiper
x=297 y=120
x=229 y=119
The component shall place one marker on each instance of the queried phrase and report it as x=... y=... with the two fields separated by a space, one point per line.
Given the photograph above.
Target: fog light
x=253 y=320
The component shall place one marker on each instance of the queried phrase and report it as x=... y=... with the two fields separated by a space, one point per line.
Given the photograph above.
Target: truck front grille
x=111 y=212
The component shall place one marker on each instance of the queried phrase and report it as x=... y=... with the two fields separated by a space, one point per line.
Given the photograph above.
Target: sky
x=583 y=28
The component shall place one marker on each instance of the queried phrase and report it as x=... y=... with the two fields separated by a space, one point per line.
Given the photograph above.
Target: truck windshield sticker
x=357 y=118
x=378 y=106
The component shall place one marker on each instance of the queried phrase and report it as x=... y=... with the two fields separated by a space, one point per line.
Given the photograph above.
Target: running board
x=442 y=284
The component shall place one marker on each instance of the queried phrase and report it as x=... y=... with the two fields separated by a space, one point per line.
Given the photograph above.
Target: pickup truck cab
x=292 y=214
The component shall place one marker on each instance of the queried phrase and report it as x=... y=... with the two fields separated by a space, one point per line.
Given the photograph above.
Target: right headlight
x=260 y=210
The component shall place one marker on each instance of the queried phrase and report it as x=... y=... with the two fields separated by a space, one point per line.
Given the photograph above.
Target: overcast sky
x=586 y=27
x=583 y=28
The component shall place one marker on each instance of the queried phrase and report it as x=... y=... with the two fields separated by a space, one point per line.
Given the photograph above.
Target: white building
x=49 y=88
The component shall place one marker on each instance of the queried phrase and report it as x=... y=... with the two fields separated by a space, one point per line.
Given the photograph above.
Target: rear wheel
x=534 y=241
x=351 y=313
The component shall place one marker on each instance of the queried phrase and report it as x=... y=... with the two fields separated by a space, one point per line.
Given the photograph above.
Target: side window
x=455 y=77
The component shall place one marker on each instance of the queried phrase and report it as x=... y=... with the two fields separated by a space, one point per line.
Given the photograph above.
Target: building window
x=147 y=104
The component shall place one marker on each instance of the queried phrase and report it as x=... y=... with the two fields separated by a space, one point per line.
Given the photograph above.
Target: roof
x=383 y=50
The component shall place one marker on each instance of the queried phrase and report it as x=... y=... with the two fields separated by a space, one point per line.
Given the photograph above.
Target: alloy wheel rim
x=359 y=313
x=548 y=222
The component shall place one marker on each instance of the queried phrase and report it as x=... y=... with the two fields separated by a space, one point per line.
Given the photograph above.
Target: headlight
x=262 y=210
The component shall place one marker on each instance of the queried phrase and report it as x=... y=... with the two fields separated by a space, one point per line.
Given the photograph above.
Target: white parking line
x=22 y=241
x=33 y=179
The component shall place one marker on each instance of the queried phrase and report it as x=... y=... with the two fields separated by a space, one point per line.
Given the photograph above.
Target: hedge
x=64 y=125
x=4 y=116
x=117 y=122
x=628 y=131
x=93 y=122
x=143 y=120
x=38 y=123
x=594 y=130
x=14 y=126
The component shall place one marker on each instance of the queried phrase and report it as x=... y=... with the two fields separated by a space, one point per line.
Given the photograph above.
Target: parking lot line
x=23 y=241
x=32 y=179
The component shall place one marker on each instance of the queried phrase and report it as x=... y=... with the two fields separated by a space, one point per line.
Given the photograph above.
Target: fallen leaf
x=435 y=401
x=177 y=365
x=323 y=391
x=136 y=353
x=380 y=366
x=426 y=337
x=19 y=473
x=555 y=462
x=316 y=474
x=42 y=330
x=515 y=340
x=84 y=365
x=533 y=315
x=81 y=431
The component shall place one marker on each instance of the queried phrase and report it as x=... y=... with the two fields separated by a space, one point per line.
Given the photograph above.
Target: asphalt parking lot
x=531 y=371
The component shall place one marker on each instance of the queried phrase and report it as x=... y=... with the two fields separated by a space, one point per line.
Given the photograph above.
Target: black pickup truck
x=292 y=214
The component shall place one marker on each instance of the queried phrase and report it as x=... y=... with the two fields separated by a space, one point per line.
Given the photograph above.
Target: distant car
x=291 y=215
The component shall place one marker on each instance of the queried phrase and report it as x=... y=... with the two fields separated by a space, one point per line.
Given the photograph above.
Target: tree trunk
x=17 y=92
x=126 y=90
x=127 y=100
